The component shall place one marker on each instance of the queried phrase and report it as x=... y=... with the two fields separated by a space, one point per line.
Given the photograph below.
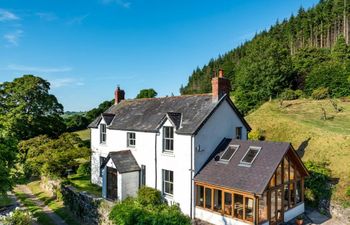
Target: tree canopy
x=52 y=157
x=283 y=57
x=147 y=93
x=28 y=109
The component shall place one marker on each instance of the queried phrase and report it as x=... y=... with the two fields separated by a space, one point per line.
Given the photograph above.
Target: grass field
x=84 y=134
x=83 y=183
x=300 y=122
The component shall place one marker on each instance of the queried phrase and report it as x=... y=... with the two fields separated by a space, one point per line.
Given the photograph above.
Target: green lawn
x=300 y=123
x=42 y=218
x=84 y=134
x=5 y=200
x=83 y=183
x=55 y=205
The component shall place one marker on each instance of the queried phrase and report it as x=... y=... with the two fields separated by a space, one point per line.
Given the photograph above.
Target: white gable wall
x=180 y=163
x=222 y=124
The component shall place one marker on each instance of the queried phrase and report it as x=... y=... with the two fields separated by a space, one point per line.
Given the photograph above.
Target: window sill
x=168 y=196
x=168 y=153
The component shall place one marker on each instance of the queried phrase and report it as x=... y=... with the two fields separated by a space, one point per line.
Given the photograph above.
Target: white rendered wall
x=294 y=212
x=180 y=163
x=129 y=184
x=221 y=124
x=216 y=219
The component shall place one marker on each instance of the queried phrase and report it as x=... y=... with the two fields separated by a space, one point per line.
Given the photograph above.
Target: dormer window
x=131 y=139
x=168 y=139
x=103 y=133
x=229 y=152
x=250 y=156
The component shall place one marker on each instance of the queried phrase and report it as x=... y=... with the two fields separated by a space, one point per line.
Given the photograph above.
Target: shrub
x=316 y=185
x=149 y=196
x=18 y=217
x=348 y=192
x=320 y=93
x=289 y=94
x=148 y=208
x=299 y=93
x=84 y=169
x=258 y=134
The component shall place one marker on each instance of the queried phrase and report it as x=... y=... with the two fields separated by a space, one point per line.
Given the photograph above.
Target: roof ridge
x=178 y=96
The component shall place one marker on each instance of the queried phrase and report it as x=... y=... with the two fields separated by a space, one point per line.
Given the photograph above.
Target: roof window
x=229 y=152
x=250 y=156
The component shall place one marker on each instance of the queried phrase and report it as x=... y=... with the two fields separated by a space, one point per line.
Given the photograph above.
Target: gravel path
x=54 y=217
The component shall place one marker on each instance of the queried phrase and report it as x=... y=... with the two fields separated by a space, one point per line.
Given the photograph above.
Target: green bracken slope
x=300 y=122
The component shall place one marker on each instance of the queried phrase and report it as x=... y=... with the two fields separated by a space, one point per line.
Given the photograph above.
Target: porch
x=120 y=176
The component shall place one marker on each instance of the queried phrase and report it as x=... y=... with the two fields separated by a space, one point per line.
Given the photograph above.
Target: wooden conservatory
x=250 y=182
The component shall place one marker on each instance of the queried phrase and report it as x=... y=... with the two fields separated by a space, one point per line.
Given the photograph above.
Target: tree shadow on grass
x=302 y=147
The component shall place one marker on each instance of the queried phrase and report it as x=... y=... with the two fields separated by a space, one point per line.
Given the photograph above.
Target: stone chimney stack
x=220 y=86
x=119 y=95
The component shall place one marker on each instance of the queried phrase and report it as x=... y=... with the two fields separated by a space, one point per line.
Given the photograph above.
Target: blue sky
x=85 y=48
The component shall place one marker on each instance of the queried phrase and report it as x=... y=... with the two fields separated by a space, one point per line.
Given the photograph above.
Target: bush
x=320 y=93
x=148 y=208
x=258 y=135
x=348 y=192
x=84 y=169
x=299 y=93
x=149 y=196
x=18 y=217
x=289 y=94
x=316 y=185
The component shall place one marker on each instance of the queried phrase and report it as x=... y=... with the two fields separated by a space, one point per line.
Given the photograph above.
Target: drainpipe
x=155 y=160
x=191 y=183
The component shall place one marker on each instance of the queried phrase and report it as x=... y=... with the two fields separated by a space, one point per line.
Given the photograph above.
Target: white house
x=164 y=143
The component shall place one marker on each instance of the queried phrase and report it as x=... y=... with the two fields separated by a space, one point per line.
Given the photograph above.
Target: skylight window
x=250 y=155
x=229 y=152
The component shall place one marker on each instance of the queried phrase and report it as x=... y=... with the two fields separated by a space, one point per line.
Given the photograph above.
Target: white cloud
x=62 y=82
x=34 y=69
x=7 y=15
x=48 y=16
x=122 y=3
x=77 y=20
x=13 y=37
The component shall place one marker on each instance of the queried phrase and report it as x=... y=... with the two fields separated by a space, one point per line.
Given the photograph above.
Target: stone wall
x=88 y=209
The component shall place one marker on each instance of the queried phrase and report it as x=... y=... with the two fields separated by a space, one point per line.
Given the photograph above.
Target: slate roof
x=124 y=161
x=253 y=179
x=188 y=112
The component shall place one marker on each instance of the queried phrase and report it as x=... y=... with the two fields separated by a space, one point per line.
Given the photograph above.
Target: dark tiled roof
x=146 y=114
x=253 y=179
x=124 y=161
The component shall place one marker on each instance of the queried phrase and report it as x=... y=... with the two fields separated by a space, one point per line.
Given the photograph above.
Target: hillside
x=306 y=51
x=300 y=122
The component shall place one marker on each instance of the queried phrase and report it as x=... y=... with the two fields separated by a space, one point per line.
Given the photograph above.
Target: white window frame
x=103 y=133
x=170 y=139
x=129 y=139
x=169 y=182
x=250 y=148
x=227 y=160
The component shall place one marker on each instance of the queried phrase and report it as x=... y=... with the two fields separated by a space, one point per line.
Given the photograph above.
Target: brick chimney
x=119 y=95
x=220 y=85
